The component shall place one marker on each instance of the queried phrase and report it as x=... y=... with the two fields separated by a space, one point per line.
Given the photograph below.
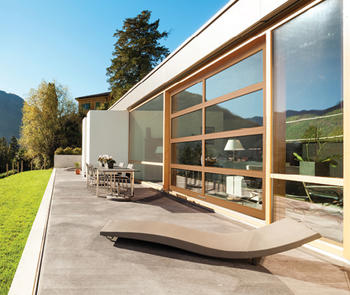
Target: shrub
x=77 y=151
x=68 y=151
x=59 y=151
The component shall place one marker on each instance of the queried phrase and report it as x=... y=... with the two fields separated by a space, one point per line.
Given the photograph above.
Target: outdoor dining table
x=115 y=172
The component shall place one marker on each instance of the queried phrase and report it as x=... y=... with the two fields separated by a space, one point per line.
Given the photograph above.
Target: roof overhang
x=94 y=95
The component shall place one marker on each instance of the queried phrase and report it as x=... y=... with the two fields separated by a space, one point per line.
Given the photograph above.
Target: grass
x=20 y=197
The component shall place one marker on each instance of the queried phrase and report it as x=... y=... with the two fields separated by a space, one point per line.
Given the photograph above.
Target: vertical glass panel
x=243 y=190
x=244 y=152
x=244 y=73
x=148 y=173
x=187 y=179
x=308 y=99
x=146 y=131
x=187 y=98
x=319 y=206
x=188 y=153
x=187 y=125
x=241 y=112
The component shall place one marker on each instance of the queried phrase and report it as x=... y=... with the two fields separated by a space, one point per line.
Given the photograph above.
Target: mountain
x=10 y=114
x=329 y=123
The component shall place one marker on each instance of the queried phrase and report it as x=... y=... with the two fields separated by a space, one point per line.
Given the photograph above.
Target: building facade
x=250 y=116
x=93 y=102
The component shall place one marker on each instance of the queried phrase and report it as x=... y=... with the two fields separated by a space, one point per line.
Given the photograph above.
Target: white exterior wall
x=228 y=24
x=106 y=132
x=83 y=150
x=66 y=161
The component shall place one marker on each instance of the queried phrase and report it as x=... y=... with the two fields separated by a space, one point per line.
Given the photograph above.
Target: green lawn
x=20 y=197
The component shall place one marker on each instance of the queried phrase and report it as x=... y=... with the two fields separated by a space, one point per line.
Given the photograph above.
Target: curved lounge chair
x=277 y=237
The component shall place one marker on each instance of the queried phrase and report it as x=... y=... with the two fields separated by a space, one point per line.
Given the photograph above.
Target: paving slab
x=77 y=260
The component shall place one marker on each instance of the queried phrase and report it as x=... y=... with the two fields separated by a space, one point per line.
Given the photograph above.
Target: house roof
x=94 y=95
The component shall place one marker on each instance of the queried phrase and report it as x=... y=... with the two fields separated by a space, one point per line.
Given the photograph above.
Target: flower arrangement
x=106 y=159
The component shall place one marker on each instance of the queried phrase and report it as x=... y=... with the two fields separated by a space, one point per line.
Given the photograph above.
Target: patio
x=77 y=260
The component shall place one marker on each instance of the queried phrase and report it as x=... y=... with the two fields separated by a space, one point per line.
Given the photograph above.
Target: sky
x=71 y=41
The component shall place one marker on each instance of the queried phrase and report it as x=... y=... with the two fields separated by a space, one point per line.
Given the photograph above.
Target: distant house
x=93 y=101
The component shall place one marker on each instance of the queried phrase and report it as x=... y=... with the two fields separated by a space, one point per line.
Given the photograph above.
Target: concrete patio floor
x=77 y=260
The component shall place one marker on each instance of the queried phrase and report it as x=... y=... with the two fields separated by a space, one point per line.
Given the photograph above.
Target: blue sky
x=72 y=41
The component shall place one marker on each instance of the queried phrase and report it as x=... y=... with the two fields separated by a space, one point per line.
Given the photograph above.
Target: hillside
x=10 y=114
x=328 y=121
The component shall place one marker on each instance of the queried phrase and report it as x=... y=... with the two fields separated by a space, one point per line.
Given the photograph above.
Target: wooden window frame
x=235 y=57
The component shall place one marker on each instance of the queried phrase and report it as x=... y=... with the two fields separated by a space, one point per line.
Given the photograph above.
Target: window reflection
x=187 y=179
x=187 y=125
x=308 y=108
x=243 y=190
x=244 y=152
x=187 y=153
x=146 y=131
x=320 y=206
x=244 y=73
x=148 y=172
x=241 y=112
x=187 y=98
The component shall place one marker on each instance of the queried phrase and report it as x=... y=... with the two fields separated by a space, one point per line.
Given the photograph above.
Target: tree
x=13 y=148
x=3 y=154
x=136 y=52
x=44 y=115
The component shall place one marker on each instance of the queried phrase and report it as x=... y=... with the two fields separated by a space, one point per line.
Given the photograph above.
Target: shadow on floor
x=150 y=196
x=179 y=254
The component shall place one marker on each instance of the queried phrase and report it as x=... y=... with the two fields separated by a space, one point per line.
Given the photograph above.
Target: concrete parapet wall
x=65 y=161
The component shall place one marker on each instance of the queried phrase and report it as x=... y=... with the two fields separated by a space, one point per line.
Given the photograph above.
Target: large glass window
x=308 y=99
x=146 y=131
x=187 y=125
x=308 y=119
x=197 y=138
x=187 y=179
x=241 y=112
x=146 y=139
x=247 y=72
x=320 y=206
x=244 y=152
x=151 y=173
x=187 y=98
x=246 y=191
x=187 y=153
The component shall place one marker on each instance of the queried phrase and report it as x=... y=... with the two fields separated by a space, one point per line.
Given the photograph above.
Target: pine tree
x=136 y=52
x=3 y=154
x=13 y=148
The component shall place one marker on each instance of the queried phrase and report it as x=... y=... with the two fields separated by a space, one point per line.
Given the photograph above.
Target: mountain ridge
x=10 y=114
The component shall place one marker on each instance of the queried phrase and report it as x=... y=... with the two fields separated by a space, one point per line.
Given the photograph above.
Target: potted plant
x=110 y=162
x=314 y=162
x=106 y=161
x=77 y=168
x=101 y=160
